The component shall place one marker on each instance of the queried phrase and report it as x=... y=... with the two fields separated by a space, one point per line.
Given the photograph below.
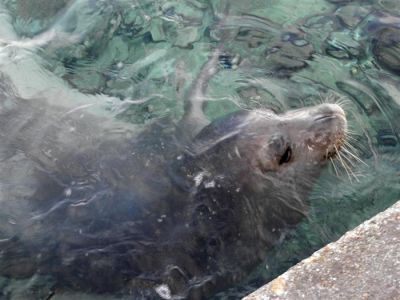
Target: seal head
x=267 y=151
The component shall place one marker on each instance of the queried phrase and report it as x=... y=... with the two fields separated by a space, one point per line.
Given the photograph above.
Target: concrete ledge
x=363 y=264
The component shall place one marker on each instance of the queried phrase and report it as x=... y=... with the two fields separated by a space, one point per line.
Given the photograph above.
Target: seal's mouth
x=339 y=139
x=337 y=146
x=333 y=152
x=331 y=118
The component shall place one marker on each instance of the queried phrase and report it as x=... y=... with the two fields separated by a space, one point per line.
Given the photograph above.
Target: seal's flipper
x=194 y=119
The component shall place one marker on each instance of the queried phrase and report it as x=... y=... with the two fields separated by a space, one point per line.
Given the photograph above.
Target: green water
x=138 y=59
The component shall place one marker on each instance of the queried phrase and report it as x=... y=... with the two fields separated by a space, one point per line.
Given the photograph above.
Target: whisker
x=354 y=156
x=348 y=160
x=351 y=131
x=345 y=166
x=334 y=166
x=343 y=101
x=321 y=99
x=350 y=146
x=351 y=138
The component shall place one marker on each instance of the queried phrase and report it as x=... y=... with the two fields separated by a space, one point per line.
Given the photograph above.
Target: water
x=134 y=62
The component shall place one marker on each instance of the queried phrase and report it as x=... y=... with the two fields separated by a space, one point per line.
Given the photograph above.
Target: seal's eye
x=286 y=156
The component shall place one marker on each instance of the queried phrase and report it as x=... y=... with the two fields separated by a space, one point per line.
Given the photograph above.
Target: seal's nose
x=328 y=111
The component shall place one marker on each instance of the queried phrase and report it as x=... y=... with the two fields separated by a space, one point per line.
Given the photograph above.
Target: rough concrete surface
x=362 y=264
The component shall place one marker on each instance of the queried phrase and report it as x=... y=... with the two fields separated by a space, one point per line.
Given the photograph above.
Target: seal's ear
x=218 y=131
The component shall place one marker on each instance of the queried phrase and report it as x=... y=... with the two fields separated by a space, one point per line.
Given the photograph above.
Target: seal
x=169 y=211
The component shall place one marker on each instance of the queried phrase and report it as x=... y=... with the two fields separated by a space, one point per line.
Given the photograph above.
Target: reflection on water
x=115 y=68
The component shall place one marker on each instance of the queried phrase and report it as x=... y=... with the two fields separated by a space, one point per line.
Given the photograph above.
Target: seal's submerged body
x=103 y=207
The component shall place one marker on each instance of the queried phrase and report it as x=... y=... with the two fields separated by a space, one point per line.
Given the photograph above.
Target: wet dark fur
x=108 y=208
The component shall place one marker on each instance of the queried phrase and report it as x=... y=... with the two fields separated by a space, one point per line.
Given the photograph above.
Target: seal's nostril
x=324 y=117
x=330 y=109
